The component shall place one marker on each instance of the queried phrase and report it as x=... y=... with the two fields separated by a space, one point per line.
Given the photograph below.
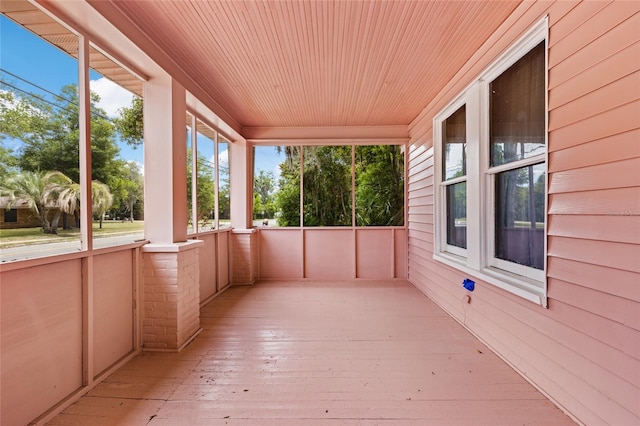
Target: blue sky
x=42 y=68
x=45 y=66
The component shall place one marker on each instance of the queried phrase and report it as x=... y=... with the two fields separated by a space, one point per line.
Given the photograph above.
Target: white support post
x=241 y=183
x=165 y=161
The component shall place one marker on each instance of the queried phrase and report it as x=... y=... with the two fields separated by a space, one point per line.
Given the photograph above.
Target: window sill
x=524 y=287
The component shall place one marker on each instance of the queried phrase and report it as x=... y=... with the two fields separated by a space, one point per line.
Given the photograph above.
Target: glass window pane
x=517 y=109
x=456 y=195
x=327 y=186
x=379 y=185
x=520 y=215
x=454 y=130
x=11 y=216
x=224 y=187
x=276 y=186
x=39 y=142
x=206 y=178
x=117 y=158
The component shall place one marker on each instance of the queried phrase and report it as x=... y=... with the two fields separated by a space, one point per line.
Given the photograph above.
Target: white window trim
x=478 y=260
x=441 y=184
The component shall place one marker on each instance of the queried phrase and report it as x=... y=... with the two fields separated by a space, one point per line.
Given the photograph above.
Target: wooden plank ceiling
x=317 y=63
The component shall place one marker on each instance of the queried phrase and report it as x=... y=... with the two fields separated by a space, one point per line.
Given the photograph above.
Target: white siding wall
x=584 y=350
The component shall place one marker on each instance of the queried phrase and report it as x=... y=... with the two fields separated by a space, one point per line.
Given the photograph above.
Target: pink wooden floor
x=357 y=353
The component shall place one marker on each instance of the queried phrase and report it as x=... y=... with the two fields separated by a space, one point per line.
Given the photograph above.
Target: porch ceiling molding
x=329 y=135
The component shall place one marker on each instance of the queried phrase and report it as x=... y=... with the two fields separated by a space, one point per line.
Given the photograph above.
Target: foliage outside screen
x=39 y=138
x=328 y=176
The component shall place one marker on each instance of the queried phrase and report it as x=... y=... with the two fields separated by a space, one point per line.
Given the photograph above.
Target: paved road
x=50 y=249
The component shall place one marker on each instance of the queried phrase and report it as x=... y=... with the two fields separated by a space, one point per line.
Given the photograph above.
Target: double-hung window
x=490 y=172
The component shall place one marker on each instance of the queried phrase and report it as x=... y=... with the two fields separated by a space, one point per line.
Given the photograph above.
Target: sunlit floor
x=298 y=353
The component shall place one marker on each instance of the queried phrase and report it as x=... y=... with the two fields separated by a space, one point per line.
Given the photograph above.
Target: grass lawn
x=26 y=236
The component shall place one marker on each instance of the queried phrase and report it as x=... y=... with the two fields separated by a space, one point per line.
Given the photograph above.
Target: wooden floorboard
x=319 y=353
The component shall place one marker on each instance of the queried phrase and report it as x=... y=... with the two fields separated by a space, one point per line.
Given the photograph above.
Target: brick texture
x=244 y=257
x=171 y=299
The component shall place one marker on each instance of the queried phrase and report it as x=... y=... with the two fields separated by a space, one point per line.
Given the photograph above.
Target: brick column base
x=244 y=256
x=171 y=295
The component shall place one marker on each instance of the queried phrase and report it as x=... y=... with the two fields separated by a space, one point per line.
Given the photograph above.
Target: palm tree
x=101 y=199
x=56 y=192
x=44 y=192
x=68 y=198
x=33 y=189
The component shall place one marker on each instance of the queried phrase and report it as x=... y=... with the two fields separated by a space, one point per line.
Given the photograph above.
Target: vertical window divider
x=216 y=184
x=353 y=186
x=86 y=240
x=353 y=211
x=475 y=192
x=194 y=173
x=84 y=111
x=301 y=156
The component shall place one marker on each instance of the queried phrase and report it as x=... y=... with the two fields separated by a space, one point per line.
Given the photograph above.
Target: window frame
x=194 y=119
x=479 y=260
x=441 y=184
x=10 y=214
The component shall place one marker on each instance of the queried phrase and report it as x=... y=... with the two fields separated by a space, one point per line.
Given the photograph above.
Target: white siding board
x=537 y=367
x=618 y=255
x=593 y=76
x=621 y=174
x=618 y=92
x=613 y=228
x=600 y=303
x=597 y=277
x=609 y=123
x=587 y=37
x=591 y=376
x=564 y=25
x=618 y=201
x=610 y=149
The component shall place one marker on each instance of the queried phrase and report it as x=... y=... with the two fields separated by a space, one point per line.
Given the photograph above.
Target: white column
x=241 y=184
x=165 y=161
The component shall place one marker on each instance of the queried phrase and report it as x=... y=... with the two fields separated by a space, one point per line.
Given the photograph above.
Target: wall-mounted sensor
x=468 y=284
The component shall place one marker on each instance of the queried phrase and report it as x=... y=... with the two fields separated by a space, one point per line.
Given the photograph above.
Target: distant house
x=20 y=215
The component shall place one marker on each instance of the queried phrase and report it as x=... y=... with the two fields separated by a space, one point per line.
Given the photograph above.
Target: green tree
x=264 y=186
x=68 y=198
x=50 y=134
x=327 y=186
x=205 y=188
x=127 y=187
x=8 y=162
x=379 y=185
x=379 y=195
x=130 y=122
x=287 y=199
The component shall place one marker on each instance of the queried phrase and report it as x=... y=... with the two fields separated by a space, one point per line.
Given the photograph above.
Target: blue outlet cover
x=468 y=284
